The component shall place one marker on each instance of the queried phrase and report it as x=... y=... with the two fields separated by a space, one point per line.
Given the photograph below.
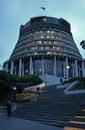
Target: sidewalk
x=20 y=124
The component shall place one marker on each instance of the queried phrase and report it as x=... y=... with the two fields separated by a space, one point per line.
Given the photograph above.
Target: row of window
x=44 y=27
x=58 y=35
x=46 y=51
x=45 y=37
x=46 y=46
x=46 y=42
x=38 y=48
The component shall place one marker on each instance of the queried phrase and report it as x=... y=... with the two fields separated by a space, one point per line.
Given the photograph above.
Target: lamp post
x=14 y=93
x=40 y=70
x=68 y=67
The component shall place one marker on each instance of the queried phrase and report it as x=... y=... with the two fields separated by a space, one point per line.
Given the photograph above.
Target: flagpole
x=43 y=8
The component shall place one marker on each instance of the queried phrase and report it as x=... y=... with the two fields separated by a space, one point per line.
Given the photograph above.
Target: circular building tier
x=45 y=47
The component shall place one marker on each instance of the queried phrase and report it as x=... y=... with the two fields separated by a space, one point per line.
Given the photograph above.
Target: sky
x=14 y=13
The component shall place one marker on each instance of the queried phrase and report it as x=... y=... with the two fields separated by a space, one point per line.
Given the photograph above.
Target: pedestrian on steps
x=8 y=107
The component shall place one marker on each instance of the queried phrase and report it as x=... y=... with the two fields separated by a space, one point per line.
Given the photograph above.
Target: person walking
x=8 y=107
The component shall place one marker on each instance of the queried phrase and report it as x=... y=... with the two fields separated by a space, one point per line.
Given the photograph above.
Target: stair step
x=55 y=108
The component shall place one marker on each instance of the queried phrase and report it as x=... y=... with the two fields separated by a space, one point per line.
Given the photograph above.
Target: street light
x=68 y=67
x=14 y=93
x=40 y=70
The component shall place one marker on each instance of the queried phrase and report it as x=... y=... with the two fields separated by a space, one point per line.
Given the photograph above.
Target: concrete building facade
x=45 y=47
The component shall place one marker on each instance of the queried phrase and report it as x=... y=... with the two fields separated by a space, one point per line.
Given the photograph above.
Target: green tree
x=8 y=81
x=31 y=79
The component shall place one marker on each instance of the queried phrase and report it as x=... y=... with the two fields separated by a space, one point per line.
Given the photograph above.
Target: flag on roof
x=43 y=8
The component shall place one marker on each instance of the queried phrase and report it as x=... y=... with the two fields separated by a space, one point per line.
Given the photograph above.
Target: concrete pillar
x=42 y=65
x=31 y=65
x=66 y=68
x=72 y=69
x=20 y=67
x=6 y=68
x=82 y=68
x=54 y=65
x=76 y=68
x=15 y=70
x=12 y=67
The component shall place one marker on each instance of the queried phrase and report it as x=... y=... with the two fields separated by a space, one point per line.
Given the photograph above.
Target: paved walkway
x=19 y=124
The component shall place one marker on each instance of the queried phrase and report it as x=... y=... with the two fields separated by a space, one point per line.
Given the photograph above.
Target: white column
x=6 y=68
x=42 y=65
x=12 y=67
x=31 y=65
x=54 y=65
x=66 y=68
x=82 y=68
x=20 y=67
x=23 y=69
x=43 y=71
x=15 y=70
x=72 y=69
x=76 y=68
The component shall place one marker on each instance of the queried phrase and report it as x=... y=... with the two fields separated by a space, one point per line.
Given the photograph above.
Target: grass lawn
x=79 y=86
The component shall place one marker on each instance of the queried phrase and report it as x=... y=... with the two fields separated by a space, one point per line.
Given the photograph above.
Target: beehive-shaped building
x=45 y=47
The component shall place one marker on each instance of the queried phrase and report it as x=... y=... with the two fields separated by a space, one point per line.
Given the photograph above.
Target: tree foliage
x=8 y=81
x=31 y=79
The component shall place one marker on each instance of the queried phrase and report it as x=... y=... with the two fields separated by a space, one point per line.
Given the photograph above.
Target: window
x=44 y=19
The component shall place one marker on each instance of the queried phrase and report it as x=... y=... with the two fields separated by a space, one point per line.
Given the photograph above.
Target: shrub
x=31 y=79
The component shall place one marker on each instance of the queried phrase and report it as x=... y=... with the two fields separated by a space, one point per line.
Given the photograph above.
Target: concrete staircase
x=55 y=108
